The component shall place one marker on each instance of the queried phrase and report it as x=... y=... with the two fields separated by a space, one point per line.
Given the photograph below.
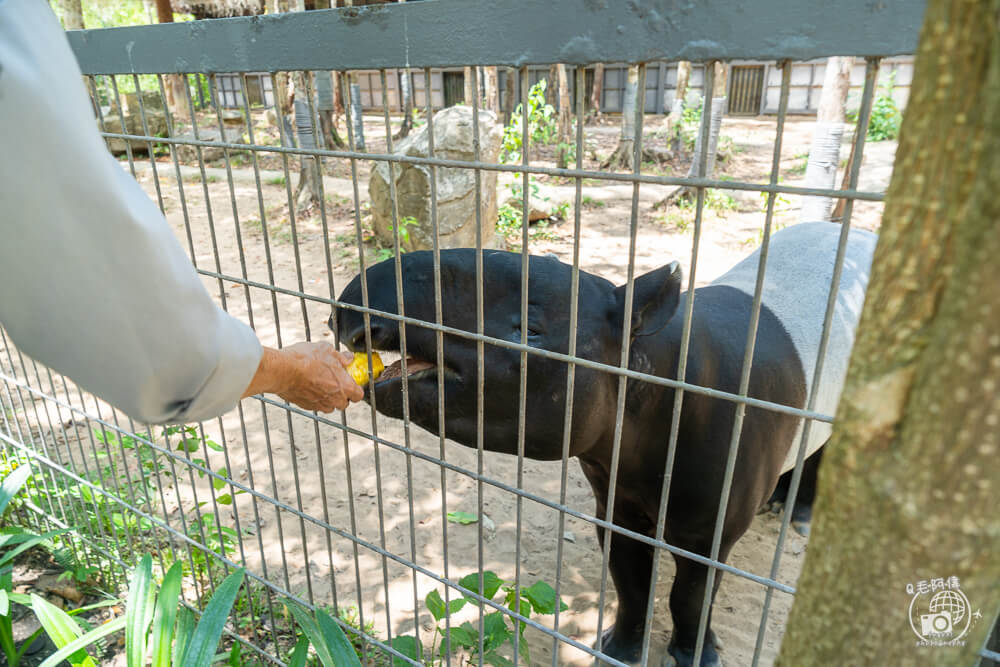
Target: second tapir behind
x=799 y=273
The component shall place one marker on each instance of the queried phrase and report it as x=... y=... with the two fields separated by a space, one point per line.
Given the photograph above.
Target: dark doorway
x=746 y=90
x=454 y=88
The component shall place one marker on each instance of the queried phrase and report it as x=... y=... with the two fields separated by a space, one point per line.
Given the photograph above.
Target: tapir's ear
x=654 y=299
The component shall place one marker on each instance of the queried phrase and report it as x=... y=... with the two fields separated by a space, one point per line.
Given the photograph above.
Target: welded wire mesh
x=355 y=512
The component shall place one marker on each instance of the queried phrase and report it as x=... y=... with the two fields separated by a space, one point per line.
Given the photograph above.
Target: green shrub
x=886 y=117
x=541 y=125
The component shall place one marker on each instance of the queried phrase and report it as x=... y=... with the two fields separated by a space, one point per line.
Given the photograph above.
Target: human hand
x=310 y=375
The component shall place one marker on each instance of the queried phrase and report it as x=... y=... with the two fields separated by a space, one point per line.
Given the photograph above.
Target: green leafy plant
x=327 y=639
x=464 y=518
x=497 y=630
x=542 y=126
x=886 y=117
x=155 y=624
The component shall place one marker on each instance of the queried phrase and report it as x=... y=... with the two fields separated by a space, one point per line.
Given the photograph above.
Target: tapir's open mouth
x=416 y=369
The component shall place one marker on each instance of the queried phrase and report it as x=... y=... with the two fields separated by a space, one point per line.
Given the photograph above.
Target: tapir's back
x=800 y=266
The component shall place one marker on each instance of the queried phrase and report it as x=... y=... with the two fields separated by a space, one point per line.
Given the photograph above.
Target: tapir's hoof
x=630 y=654
x=685 y=658
x=801 y=527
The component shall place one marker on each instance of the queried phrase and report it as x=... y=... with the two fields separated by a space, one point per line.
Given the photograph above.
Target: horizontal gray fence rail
x=486 y=32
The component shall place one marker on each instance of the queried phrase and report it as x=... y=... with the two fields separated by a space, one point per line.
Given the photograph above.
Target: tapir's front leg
x=630 y=563
x=686 y=598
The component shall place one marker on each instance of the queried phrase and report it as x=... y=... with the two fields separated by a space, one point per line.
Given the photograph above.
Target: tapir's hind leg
x=686 y=598
x=802 y=512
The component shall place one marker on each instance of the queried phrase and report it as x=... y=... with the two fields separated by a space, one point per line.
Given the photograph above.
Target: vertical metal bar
x=574 y=298
x=149 y=144
x=860 y=132
x=205 y=192
x=318 y=164
x=177 y=172
x=289 y=141
x=439 y=344
x=640 y=104
x=668 y=473
x=348 y=110
x=277 y=329
x=121 y=118
x=742 y=391
x=525 y=81
x=398 y=266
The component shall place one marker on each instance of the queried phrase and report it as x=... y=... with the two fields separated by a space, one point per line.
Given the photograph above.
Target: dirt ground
x=313 y=468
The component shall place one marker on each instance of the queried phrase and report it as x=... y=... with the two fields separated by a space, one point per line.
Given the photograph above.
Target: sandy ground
x=310 y=466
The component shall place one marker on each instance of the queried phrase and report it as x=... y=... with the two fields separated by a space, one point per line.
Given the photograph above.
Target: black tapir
x=798 y=278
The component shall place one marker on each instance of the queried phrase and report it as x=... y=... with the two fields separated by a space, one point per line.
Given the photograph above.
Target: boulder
x=156 y=124
x=189 y=153
x=456 y=188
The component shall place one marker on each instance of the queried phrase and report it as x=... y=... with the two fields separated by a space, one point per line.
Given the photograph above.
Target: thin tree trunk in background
x=509 y=82
x=838 y=208
x=562 y=150
x=908 y=488
x=714 y=126
x=357 y=114
x=824 y=152
x=622 y=157
x=595 y=92
x=307 y=191
x=406 y=93
x=72 y=14
x=492 y=92
x=673 y=122
x=176 y=83
x=469 y=90
x=552 y=87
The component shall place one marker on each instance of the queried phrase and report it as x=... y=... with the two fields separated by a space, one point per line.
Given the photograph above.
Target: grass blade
x=61 y=629
x=201 y=649
x=300 y=654
x=32 y=541
x=12 y=483
x=182 y=635
x=165 y=615
x=308 y=625
x=139 y=611
x=84 y=641
x=340 y=648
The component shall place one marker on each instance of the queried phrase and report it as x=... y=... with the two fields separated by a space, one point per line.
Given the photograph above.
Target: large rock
x=189 y=153
x=156 y=124
x=456 y=188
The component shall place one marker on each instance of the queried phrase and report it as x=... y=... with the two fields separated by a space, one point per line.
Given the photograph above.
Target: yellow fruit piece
x=359 y=367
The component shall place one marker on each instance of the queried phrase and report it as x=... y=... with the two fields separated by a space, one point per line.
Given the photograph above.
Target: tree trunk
x=673 y=122
x=714 y=126
x=470 y=90
x=357 y=115
x=552 y=87
x=176 y=83
x=622 y=157
x=595 y=92
x=908 y=487
x=824 y=153
x=72 y=14
x=406 y=92
x=838 y=207
x=307 y=192
x=492 y=96
x=564 y=141
x=508 y=93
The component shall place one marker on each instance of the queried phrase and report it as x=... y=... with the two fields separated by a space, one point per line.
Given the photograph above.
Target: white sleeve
x=93 y=282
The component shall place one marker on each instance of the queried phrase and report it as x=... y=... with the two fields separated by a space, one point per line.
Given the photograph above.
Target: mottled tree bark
x=492 y=96
x=824 y=151
x=622 y=157
x=72 y=13
x=176 y=83
x=470 y=90
x=596 y=90
x=908 y=488
x=562 y=149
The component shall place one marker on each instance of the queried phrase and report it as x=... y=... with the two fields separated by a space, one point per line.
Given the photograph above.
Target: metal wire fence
x=356 y=512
